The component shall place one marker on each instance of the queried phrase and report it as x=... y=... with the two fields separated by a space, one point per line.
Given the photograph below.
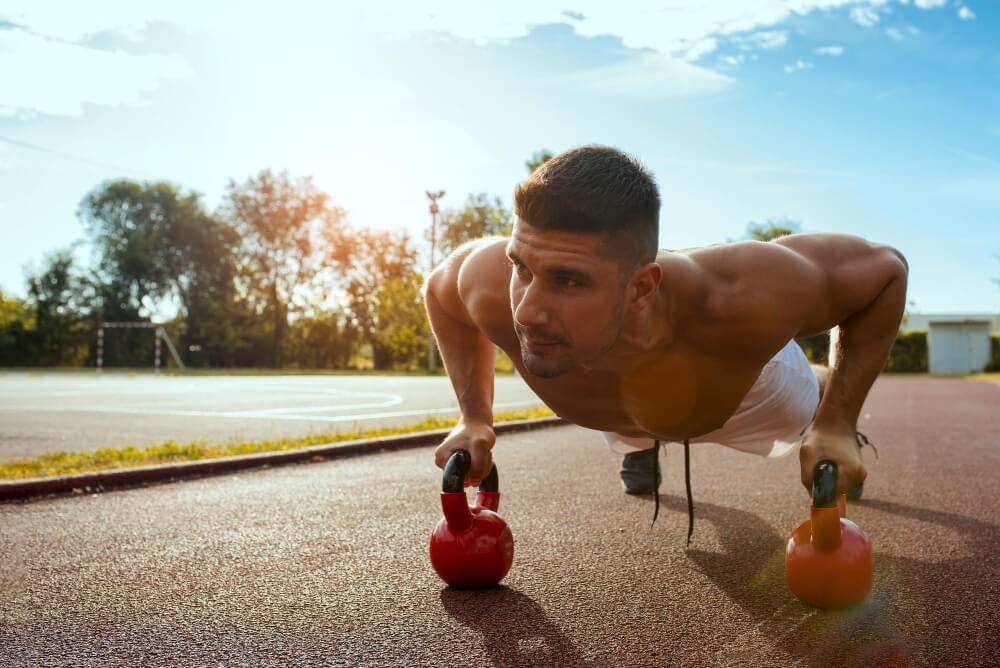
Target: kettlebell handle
x=825 y=484
x=458 y=467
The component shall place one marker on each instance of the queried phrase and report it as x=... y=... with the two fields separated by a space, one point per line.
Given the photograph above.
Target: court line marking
x=357 y=417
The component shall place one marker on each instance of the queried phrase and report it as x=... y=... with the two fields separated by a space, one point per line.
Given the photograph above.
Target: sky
x=879 y=118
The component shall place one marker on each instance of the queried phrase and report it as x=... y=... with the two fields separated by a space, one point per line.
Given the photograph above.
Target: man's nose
x=530 y=310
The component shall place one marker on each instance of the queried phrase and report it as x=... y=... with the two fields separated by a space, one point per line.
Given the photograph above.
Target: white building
x=956 y=343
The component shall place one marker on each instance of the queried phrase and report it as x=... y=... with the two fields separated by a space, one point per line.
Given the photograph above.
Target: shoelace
x=687 y=485
x=861 y=439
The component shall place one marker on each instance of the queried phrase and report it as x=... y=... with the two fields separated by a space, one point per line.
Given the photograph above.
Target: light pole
x=433 y=197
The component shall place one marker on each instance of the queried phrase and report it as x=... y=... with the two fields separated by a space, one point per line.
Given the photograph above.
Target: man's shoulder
x=484 y=278
x=484 y=265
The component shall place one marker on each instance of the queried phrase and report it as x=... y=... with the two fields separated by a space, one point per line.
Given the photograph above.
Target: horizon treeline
x=276 y=277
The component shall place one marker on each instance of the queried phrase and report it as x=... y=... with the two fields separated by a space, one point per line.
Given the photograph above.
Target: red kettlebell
x=828 y=559
x=470 y=546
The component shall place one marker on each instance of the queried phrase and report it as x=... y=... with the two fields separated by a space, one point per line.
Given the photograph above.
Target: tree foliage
x=538 y=159
x=130 y=224
x=378 y=272
x=16 y=323
x=277 y=221
x=772 y=229
x=480 y=217
x=154 y=245
x=56 y=294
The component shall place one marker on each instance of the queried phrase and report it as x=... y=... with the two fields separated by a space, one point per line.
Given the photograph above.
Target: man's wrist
x=476 y=420
x=831 y=424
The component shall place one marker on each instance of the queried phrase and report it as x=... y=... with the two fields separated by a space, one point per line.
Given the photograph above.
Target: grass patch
x=987 y=377
x=169 y=452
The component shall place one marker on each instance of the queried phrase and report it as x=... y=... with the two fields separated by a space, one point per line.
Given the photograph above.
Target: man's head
x=596 y=190
x=582 y=251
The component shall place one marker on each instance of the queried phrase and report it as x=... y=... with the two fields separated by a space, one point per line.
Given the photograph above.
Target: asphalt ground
x=326 y=563
x=44 y=412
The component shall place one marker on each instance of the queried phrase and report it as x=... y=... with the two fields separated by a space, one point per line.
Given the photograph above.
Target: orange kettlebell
x=828 y=559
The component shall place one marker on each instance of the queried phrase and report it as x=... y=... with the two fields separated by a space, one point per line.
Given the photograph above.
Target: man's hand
x=477 y=440
x=840 y=448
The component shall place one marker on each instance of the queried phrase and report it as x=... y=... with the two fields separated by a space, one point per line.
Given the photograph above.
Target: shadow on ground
x=930 y=610
x=515 y=629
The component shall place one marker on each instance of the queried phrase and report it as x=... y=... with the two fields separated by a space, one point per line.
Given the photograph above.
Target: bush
x=816 y=348
x=908 y=354
x=994 y=363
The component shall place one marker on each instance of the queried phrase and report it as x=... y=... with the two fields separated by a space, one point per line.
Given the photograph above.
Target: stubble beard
x=546 y=366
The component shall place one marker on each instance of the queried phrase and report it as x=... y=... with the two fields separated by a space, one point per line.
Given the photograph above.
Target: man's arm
x=864 y=293
x=469 y=358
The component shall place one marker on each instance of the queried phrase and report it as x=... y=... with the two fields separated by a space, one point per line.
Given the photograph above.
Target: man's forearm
x=469 y=358
x=865 y=340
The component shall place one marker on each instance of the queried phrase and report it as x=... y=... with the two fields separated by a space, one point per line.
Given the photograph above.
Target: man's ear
x=644 y=285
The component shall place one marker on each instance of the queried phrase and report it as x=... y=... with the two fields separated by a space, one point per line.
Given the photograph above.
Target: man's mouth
x=538 y=342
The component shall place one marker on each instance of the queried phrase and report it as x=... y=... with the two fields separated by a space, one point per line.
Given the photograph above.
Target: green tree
x=479 y=217
x=277 y=221
x=538 y=159
x=772 y=229
x=157 y=245
x=378 y=272
x=61 y=332
x=128 y=223
x=320 y=341
x=16 y=324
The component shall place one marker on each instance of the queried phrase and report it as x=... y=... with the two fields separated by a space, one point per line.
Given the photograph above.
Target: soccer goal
x=161 y=336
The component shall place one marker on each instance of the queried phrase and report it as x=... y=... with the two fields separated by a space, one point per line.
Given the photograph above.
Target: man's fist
x=477 y=440
x=842 y=449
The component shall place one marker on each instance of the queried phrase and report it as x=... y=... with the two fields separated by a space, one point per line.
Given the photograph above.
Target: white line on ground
x=268 y=414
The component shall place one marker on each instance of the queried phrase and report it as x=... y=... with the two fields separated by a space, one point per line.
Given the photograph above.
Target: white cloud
x=830 y=51
x=652 y=76
x=899 y=35
x=798 y=65
x=700 y=48
x=733 y=60
x=864 y=16
x=686 y=30
x=966 y=14
x=930 y=4
x=54 y=77
x=766 y=39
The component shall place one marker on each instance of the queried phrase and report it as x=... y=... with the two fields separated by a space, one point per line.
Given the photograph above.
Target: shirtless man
x=649 y=345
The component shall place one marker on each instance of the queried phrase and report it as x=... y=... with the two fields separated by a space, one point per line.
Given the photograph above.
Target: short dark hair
x=596 y=190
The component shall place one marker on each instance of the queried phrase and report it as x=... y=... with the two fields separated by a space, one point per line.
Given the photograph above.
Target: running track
x=325 y=564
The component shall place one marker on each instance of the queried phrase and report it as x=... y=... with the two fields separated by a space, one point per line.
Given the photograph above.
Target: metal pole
x=100 y=348
x=433 y=197
x=156 y=360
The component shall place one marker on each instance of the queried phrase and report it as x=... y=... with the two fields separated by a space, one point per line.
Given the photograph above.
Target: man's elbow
x=898 y=255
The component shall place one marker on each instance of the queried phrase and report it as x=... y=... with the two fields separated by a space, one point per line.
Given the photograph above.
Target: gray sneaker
x=640 y=472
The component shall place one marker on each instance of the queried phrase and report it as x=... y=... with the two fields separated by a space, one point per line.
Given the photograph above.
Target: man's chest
x=669 y=396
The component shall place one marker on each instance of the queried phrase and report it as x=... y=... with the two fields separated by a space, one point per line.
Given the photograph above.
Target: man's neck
x=641 y=333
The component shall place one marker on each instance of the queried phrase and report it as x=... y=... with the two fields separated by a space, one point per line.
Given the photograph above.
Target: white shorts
x=772 y=417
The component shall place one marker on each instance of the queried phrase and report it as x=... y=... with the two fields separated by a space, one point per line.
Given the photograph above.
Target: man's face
x=566 y=297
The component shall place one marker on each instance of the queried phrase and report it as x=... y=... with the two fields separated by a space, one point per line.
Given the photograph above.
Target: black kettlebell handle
x=825 y=484
x=458 y=467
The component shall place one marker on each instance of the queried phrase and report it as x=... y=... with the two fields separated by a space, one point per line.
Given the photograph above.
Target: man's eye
x=520 y=269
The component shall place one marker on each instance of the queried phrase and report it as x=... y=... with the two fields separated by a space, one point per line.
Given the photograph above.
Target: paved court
x=326 y=564
x=45 y=412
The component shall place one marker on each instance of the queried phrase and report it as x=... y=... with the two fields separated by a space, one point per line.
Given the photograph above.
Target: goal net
x=161 y=337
